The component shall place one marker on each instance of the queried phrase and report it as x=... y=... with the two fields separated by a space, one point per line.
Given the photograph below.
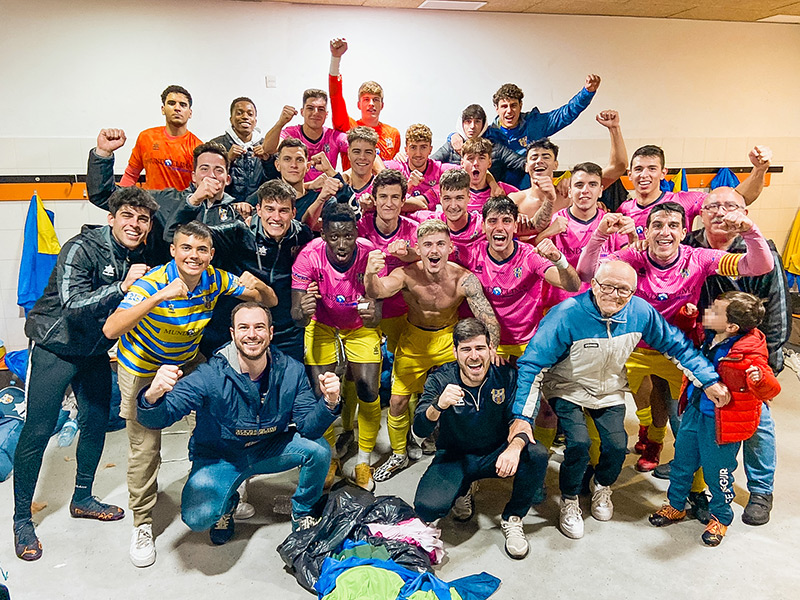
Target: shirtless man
x=433 y=288
x=542 y=160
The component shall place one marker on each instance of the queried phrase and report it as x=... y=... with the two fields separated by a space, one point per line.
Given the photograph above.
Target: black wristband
x=523 y=436
x=435 y=406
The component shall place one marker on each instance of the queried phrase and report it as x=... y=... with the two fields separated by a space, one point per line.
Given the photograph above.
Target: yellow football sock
x=645 y=416
x=398 y=431
x=698 y=483
x=412 y=406
x=349 y=403
x=594 y=436
x=369 y=422
x=544 y=435
x=656 y=434
x=330 y=435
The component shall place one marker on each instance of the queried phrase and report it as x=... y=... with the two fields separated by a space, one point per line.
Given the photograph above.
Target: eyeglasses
x=728 y=206
x=622 y=292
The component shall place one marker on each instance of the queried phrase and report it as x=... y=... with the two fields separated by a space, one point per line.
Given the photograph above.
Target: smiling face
x=500 y=229
x=718 y=204
x=476 y=165
x=509 y=109
x=362 y=156
x=292 y=164
x=646 y=173
x=613 y=286
x=314 y=112
x=454 y=204
x=340 y=237
x=176 y=109
x=418 y=153
x=474 y=357
x=130 y=225
x=192 y=255
x=541 y=161
x=433 y=250
x=664 y=234
x=276 y=216
x=211 y=164
x=585 y=190
x=251 y=332
x=388 y=202
x=243 y=119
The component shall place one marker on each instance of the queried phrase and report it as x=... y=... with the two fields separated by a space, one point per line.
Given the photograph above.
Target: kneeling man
x=472 y=401
x=256 y=414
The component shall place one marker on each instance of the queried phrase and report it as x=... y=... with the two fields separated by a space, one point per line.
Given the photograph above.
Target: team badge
x=389 y=142
x=262 y=250
x=155 y=146
x=518 y=272
x=207 y=302
x=685 y=273
x=108 y=271
x=499 y=395
x=360 y=278
x=523 y=141
x=326 y=148
x=223 y=214
x=6 y=399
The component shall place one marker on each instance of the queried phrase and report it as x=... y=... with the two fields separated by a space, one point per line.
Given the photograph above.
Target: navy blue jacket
x=232 y=413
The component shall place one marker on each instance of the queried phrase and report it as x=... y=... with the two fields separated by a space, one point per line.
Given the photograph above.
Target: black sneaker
x=698 y=507
x=26 y=544
x=223 y=530
x=92 y=508
x=662 y=471
x=757 y=510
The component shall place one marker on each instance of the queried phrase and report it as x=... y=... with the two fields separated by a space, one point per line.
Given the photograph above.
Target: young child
x=710 y=435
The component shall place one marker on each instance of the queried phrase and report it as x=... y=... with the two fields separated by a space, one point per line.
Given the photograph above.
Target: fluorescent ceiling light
x=782 y=19
x=451 y=5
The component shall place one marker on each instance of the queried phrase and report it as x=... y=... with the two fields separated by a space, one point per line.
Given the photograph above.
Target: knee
x=535 y=454
x=316 y=451
x=579 y=445
x=199 y=517
x=367 y=391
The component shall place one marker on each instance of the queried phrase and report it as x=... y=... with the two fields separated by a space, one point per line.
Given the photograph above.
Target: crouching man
x=471 y=399
x=256 y=414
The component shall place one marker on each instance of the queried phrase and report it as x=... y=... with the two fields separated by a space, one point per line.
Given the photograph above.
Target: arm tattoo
x=480 y=306
x=541 y=220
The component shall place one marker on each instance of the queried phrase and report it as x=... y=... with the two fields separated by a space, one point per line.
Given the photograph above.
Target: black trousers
x=450 y=475
x=48 y=379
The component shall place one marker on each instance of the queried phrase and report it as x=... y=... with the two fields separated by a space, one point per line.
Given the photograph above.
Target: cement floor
x=625 y=557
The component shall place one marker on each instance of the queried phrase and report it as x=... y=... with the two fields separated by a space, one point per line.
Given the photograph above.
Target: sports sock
x=330 y=435
x=349 y=403
x=369 y=422
x=82 y=491
x=398 y=431
x=656 y=434
x=645 y=416
x=364 y=457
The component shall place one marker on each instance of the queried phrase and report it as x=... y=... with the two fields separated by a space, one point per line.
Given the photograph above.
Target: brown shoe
x=362 y=477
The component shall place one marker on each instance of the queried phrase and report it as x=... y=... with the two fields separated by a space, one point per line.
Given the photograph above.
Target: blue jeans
x=760 y=456
x=696 y=446
x=208 y=492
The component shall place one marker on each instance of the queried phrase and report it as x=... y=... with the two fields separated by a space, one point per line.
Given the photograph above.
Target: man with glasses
x=759 y=450
x=576 y=360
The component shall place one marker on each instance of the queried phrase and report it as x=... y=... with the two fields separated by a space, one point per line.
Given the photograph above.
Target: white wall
x=706 y=91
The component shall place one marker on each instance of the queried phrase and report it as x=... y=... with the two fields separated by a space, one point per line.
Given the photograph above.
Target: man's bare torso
x=433 y=303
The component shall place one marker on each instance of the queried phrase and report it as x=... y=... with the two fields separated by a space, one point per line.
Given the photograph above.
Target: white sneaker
x=143 y=548
x=244 y=510
x=571 y=520
x=602 y=507
x=516 y=542
x=413 y=449
x=464 y=506
x=395 y=464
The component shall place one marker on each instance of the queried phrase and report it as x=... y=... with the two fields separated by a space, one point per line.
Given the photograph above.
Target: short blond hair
x=373 y=88
x=419 y=133
x=432 y=226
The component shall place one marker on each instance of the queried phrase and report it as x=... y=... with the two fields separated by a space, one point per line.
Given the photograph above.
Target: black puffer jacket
x=248 y=171
x=84 y=289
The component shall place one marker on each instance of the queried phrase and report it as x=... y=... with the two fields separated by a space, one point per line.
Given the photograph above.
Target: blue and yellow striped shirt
x=170 y=333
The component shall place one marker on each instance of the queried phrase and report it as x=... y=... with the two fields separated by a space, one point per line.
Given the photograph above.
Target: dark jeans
x=450 y=475
x=610 y=424
x=48 y=378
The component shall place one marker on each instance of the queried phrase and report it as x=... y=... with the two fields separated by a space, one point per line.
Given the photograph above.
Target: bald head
x=725 y=194
x=613 y=286
x=618 y=270
x=716 y=205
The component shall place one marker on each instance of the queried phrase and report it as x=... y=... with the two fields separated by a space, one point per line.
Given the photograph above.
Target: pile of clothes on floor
x=374 y=549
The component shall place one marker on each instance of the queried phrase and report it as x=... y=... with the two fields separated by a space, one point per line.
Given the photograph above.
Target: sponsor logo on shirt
x=171 y=331
x=662 y=296
x=341 y=299
x=499 y=395
x=168 y=162
x=252 y=432
x=496 y=291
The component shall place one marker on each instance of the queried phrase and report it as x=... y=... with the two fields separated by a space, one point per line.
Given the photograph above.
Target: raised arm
x=272 y=138
x=382 y=287
x=127 y=317
x=170 y=397
x=750 y=188
x=758 y=258
x=543 y=216
x=559 y=118
x=100 y=170
x=618 y=161
x=134 y=168
x=339 y=116
x=590 y=255
x=561 y=274
x=256 y=290
x=480 y=307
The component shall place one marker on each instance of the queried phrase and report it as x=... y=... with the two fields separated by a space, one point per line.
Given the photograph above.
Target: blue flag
x=40 y=250
x=724 y=178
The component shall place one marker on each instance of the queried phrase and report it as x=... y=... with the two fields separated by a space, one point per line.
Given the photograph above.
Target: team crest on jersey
x=518 y=272
x=223 y=214
x=499 y=395
x=326 y=148
x=523 y=141
x=496 y=291
x=207 y=302
x=431 y=182
x=261 y=250
x=389 y=142
x=662 y=296
x=639 y=230
x=108 y=271
x=685 y=273
x=155 y=146
x=360 y=278
x=340 y=299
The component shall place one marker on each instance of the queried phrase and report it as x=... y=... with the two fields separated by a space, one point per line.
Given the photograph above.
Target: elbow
x=111 y=332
